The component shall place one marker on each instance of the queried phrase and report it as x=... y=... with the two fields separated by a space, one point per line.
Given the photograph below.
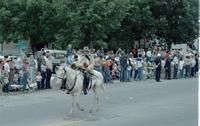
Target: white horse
x=74 y=83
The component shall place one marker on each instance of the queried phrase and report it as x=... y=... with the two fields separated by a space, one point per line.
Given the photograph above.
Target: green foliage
x=97 y=23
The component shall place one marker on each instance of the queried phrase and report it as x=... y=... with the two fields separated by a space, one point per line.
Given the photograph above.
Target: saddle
x=87 y=78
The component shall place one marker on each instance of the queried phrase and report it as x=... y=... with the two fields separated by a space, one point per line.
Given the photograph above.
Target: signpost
x=22 y=45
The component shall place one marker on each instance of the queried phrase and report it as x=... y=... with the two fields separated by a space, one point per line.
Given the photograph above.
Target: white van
x=180 y=46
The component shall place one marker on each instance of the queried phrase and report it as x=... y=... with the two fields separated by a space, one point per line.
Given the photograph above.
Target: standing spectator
x=1 y=75
x=6 y=74
x=6 y=65
x=135 y=52
x=148 y=55
x=69 y=58
x=32 y=67
x=40 y=60
x=36 y=66
x=123 y=66
x=129 y=68
x=181 y=67
x=43 y=71
x=175 y=62
x=158 y=67
x=131 y=63
x=98 y=64
x=100 y=52
x=20 y=77
x=188 y=63
x=12 y=72
x=25 y=73
x=193 y=62
x=139 y=66
x=19 y=63
x=197 y=63
x=167 y=68
x=106 y=71
x=49 y=68
x=135 y=69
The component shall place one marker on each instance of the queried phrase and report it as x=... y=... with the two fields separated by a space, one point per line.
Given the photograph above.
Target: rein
x=73 y=83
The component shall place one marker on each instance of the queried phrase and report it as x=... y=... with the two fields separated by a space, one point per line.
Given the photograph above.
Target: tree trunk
x=169 y=45
x=30 y=45
x=2 y=48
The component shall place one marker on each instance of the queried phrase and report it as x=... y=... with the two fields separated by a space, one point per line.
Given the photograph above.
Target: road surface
x=145 y=103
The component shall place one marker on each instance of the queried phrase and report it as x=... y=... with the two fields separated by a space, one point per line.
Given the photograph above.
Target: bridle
x=62 y=78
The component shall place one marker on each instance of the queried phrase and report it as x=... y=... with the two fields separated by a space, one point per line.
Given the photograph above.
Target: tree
x=137 y=24
x=97 y=23
x=177 y=20
x=88 y=22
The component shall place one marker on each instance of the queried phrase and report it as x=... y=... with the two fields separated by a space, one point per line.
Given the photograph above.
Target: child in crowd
x=38 y=79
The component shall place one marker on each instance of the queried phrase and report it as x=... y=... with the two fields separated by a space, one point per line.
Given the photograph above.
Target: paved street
x=146 y=103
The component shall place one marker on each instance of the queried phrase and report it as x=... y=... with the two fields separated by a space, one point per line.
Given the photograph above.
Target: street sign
x=22 y=44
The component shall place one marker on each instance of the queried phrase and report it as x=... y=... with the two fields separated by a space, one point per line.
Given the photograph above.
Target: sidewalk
x=17 y=89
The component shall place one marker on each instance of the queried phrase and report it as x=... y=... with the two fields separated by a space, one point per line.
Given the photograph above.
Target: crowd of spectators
x=34 y=71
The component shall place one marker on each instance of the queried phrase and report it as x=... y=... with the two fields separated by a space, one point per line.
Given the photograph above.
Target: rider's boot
x=85 y=91
x=67 y=92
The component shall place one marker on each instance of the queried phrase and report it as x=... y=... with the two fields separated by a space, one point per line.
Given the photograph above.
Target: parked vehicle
x=57 y=56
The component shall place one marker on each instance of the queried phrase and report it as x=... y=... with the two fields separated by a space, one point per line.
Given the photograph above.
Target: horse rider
x=86 y=64
x=69 y=54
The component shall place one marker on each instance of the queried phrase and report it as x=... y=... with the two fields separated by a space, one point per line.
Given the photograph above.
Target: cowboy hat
x=8 y=59
x=2 y=58
x=86 y=49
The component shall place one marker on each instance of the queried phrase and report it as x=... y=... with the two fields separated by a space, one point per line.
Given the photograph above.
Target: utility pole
x=2 y=48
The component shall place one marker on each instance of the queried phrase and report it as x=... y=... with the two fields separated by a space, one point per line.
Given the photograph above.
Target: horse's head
x=60 y=74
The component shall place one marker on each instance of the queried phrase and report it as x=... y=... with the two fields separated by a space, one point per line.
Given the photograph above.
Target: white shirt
x=193 y=62
x=181 y=64
x=149 y=53
x=43 y=68
x=38 y=77
x=175 y=60
x=83 y=60
x=7 y=67
x=48 y=62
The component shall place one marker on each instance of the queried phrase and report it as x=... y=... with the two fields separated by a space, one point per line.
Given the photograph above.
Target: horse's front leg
x=73 y=105
x=78 y=103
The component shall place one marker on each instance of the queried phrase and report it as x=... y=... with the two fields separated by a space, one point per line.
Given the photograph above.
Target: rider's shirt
x=87 y=62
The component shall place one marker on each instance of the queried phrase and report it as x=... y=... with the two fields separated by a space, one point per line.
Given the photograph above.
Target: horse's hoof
x=82 y=109
x=91 y=111
x=71 y=114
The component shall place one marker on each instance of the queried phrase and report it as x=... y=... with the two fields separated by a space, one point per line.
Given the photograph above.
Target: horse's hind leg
x=96 y=101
